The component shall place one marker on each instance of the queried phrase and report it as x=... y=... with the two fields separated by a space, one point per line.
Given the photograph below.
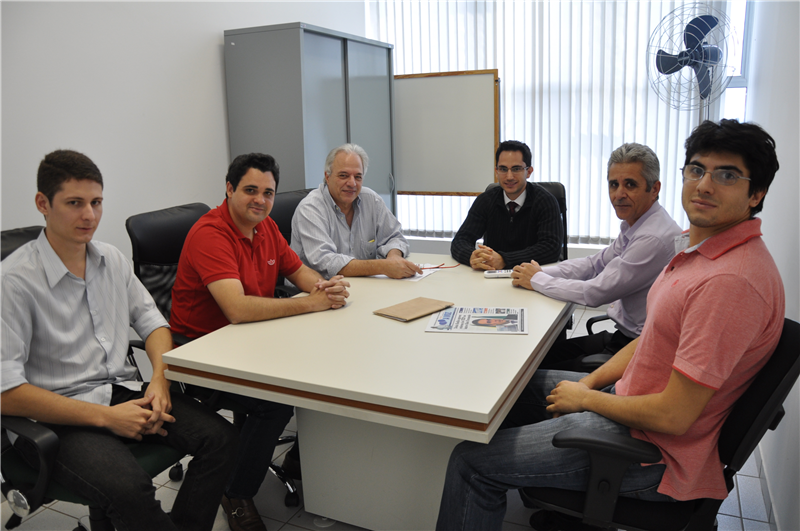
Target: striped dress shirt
x=325 y=242
x=66 y=334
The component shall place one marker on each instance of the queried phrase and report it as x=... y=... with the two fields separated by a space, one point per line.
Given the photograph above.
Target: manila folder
x=413 y=309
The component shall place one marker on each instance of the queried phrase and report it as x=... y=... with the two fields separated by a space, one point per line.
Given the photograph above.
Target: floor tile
x=751 y=498
x=754 y=525
x=730 y=506
x=728 y=523
x=516 y=512
x=269 y=500
x=312 y=522
x=750 y=467
x=166 y=496
x=46 y=520
x=75 y=510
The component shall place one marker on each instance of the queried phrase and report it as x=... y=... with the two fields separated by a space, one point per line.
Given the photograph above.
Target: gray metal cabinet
x=296 y=91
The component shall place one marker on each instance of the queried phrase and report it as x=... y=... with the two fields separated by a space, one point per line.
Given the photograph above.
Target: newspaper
x=476 y=320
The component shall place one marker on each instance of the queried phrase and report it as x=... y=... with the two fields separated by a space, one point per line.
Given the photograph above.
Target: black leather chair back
x=559 y=192
x=760 y=407
x=283 y=210
x=13 y=239
x=157 y=241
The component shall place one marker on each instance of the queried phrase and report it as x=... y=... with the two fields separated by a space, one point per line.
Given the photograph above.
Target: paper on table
x=418 y=277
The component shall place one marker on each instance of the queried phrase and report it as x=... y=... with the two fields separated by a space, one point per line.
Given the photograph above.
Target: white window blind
x=573 y=85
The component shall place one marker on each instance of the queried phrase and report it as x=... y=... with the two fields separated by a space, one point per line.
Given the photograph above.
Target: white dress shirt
x=66 y=334
x=325 y=242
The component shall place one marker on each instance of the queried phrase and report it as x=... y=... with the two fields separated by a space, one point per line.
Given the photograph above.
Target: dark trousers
x=264 y=425
x=96 y=464
x=566 y=354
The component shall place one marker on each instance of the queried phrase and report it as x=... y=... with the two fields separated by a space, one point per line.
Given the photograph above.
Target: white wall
x=138 y=87
x=773 y=101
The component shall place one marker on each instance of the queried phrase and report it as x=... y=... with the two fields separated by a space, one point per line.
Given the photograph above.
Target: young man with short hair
x=519 y=221
x=68 y=305
x=715 y=315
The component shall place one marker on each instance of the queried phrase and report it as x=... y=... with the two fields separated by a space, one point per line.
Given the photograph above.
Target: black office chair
x=559 y=192
x=757 y=410
x=157 y=240
x=13 y=239
x=282 y=212
x=27 y=488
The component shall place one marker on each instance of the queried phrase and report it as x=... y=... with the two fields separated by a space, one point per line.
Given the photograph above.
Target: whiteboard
x=446 y=131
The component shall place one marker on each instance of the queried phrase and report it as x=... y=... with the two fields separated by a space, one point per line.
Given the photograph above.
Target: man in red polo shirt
x=229 y=265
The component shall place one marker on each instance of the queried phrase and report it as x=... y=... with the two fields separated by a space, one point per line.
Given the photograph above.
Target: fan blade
x=697 y=30
x=703 y=74
x=667 y=63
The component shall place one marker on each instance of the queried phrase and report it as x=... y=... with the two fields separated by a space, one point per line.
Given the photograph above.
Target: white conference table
x=380 y=404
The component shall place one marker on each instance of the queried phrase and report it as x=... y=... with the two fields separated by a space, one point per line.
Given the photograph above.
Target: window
x=573 y=87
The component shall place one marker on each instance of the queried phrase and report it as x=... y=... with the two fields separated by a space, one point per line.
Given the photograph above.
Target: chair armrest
x=45 y=443
x=594 y=361
x=591 y=322
x=610 y=455
x=608 y=444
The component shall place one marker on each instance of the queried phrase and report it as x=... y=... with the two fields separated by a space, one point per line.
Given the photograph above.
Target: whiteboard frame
x=447 y=129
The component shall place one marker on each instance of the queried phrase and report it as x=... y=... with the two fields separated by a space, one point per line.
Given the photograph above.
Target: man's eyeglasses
x=514 y=169
x=723 y=177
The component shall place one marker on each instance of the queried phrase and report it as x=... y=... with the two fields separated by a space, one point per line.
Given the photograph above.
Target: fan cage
x=680 y=90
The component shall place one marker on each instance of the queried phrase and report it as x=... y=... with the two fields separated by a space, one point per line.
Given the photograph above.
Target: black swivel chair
x=157 y=241
x=282 y=212
x=757 y=410
x=13 y=239
x=559 y=192
x=27 y=488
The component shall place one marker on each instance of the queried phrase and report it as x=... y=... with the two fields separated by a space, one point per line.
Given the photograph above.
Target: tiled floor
x=744 y=510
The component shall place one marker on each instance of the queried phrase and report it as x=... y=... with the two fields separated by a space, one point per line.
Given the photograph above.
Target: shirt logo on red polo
x=271 y=262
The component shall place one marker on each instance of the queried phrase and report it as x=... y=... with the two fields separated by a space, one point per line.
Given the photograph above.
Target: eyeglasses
x=514 y=169
x=440 y=266
x=692 y=172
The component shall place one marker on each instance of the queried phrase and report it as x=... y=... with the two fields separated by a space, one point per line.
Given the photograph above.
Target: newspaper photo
x=476 y=320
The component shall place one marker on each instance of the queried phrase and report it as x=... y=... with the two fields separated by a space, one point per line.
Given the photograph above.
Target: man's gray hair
x=346 y=148
x=629 y=153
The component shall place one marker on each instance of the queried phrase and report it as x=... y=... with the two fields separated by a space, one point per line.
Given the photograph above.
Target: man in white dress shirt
x=622 y=273
x=345 y=229
x=68 y=305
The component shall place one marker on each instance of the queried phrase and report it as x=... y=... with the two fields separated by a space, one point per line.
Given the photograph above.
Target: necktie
x=512 y=207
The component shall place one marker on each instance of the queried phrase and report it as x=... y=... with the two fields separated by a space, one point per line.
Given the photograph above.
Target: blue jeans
x=96 y=464
x=478 y=475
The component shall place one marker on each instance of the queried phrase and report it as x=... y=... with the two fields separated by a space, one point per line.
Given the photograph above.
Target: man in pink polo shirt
x=714 y=317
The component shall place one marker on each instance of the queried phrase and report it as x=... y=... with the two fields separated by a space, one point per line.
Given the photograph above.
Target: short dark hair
x=243 y=163
x=64 y=165
x=756 y=147
x=514 y=145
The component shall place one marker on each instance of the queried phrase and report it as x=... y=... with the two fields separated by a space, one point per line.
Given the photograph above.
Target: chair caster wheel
x=176 y=473
x=292 y=499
